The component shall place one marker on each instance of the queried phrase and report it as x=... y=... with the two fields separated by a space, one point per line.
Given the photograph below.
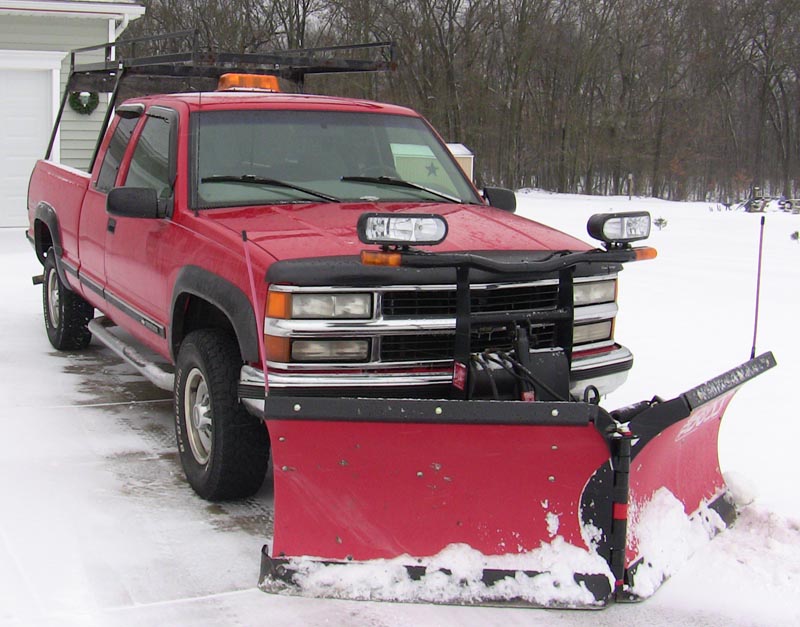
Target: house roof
x=74 y=8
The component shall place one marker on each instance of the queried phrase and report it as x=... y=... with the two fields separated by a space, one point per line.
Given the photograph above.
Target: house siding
x=78 y=132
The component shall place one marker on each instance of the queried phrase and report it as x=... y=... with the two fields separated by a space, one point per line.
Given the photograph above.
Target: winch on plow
x=508 y=491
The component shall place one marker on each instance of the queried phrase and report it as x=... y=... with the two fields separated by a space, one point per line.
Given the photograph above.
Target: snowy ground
x=98 y=527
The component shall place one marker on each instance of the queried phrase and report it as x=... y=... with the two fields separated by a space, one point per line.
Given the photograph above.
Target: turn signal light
x=278 y=348
x=645 y=252
x=279 y=305
x=375 y=258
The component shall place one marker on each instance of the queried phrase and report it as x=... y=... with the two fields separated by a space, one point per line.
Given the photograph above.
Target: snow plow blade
x=490 y=502
x=677 y=496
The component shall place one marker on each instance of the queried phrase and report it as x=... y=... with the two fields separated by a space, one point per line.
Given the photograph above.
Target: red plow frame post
x=538 y=503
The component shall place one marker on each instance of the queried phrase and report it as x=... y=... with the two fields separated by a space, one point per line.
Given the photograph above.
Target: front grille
x=413 y=304
x=439 y=347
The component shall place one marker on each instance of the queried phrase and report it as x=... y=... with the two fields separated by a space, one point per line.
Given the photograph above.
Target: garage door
x=26 y=104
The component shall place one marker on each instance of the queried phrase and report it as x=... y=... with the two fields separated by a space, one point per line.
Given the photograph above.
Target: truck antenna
x=758 y=286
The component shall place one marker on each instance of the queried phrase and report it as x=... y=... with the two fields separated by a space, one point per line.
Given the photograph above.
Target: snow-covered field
x=98 y=527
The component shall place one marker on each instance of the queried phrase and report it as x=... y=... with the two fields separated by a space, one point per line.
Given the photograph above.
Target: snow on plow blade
x=452 y=501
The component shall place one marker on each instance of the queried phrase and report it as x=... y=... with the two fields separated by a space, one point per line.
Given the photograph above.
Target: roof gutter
x=72 y=9
x=123 y=24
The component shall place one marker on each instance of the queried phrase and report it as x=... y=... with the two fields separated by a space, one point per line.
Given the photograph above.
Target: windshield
x=251 y=157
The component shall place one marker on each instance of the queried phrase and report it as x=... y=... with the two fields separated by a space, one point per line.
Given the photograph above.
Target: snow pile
x=667 y=538
x=741 y=489
x=455 y=575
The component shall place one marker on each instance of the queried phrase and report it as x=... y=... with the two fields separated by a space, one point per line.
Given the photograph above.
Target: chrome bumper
x=606 y=372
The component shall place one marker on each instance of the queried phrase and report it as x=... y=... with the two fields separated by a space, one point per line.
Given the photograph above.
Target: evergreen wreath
x=78 y=106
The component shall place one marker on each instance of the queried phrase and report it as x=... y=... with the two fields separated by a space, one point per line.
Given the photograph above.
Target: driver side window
x=151 y=161
x=114 y=153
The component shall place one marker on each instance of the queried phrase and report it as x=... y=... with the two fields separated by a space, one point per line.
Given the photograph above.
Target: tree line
x=678 y=99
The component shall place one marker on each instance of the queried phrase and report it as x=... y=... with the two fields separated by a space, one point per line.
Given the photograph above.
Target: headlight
x=594 y=292
x=330 y=350
x=585 y=333
x=332 y=306
x=310 y=306
x=383 y=228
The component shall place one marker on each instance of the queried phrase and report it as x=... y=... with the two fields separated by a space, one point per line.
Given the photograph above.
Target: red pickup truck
x=316 y=277
x=152 y=237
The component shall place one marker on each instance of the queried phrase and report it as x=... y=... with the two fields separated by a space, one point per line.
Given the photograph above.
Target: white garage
x=35 y=37
x=30 y=87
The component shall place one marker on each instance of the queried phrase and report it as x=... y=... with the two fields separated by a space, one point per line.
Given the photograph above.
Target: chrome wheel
x=66 y=314
x=53 y=298
x=198 y=416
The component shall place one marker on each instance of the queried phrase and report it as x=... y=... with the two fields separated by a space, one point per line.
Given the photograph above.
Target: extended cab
x=218 y=235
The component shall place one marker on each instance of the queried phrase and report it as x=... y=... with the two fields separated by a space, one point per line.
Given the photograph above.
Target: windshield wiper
x=389 y=180
x=251 y=179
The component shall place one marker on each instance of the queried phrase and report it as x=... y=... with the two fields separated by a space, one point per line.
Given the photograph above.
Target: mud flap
x=677 y=496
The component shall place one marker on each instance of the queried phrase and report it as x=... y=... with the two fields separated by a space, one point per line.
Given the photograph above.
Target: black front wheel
x=223 y=449
x=66 y=314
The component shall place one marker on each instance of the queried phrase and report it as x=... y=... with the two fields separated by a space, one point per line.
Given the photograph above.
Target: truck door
x=140 y=252
x=94 y=220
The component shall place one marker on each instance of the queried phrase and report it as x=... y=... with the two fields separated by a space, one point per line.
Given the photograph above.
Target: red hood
x=325 y=229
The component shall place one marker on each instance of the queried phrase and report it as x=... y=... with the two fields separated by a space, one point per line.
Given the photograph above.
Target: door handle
x=112 y=225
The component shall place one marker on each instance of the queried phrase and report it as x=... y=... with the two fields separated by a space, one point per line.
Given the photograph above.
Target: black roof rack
x=175 y=63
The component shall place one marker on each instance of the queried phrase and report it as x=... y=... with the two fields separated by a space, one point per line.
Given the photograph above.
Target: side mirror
x=501 y=198
x=133 y=202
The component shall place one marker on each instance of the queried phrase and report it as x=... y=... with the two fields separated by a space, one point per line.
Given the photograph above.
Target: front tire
x=66 y=314
x=223 y=449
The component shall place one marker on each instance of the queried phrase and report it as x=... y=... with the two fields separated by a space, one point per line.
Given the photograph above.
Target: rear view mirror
x=133 y=202
x=501 y=198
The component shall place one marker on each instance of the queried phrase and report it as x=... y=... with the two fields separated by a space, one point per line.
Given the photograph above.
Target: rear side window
x=116 y=150
x=151 y=161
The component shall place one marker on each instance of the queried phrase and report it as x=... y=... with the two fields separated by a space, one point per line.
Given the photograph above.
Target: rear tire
x=66 y=314
x=223 y=449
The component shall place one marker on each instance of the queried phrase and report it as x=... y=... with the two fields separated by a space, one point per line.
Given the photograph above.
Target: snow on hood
x=325 y=229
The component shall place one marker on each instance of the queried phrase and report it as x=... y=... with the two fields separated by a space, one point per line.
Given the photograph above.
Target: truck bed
x=60 y=187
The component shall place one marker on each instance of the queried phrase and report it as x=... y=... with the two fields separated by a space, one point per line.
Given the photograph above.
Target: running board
x=150 y=370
